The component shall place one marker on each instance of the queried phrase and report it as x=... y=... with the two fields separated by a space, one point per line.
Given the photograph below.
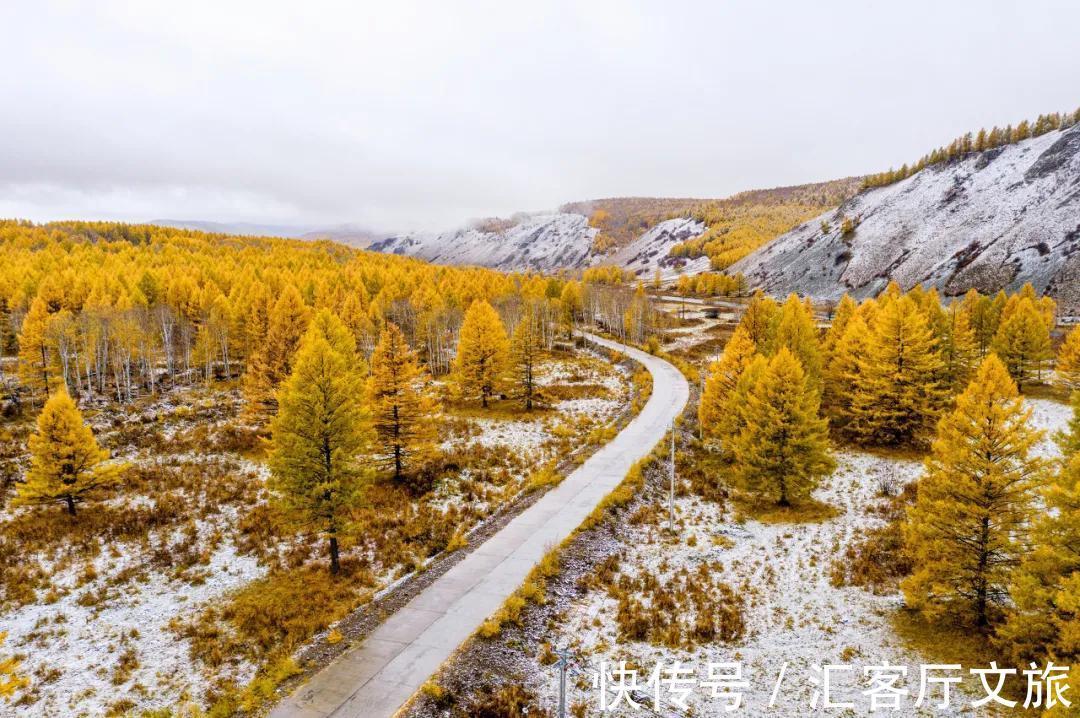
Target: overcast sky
x=397 y=114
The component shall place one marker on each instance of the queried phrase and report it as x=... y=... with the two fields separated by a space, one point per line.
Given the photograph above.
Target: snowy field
x=98 y=639
x=795 y=619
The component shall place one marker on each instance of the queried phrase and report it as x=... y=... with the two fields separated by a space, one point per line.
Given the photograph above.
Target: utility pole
x=564 y=662
x=701 y=396
x=671 y=486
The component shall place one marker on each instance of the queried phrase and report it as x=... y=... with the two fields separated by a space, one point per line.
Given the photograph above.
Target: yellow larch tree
x=1068 y=361
x=898 y=397
x=983 y=317
x=526 y=346
x=483 y=352
x=1023 y=341
x=271 y=363
x=320 y=437
x=1044 y=617
x=714 y=408
x=845 y=310
x=570 y=306
x=403 y=407
x=959 y=350
x=842 y=374
x=782 y=450
x=1069 y=438
x=796 y=330
x=38 y=365
x=66 y=464
x=760 y=319
x=975 y=502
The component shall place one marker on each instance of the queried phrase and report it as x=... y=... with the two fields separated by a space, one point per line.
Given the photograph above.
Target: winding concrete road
x=377 y=677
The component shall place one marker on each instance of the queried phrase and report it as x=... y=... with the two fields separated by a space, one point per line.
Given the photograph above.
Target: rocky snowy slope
x=650 y=250
x=991 y=220
x=545 y=242
x=539 y=241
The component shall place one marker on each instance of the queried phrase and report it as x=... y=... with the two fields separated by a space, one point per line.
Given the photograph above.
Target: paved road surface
x=377 y=677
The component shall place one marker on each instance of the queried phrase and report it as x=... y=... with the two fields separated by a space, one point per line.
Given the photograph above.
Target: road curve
x=377 y=677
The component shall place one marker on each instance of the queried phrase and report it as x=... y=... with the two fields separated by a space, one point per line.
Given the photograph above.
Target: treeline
x=977 y=142
x=115 y=311
x=990 y=536
x=710 y=284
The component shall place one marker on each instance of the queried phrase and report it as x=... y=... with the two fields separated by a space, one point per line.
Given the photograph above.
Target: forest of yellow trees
x=987 y=538
x=298 y=406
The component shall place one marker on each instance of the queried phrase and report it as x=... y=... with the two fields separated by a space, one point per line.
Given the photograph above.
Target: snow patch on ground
x=794 y=616
x=85 y=642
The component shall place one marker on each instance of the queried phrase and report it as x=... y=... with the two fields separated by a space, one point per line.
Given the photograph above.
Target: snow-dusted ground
x=71 y=646
x=795 y=618
x=84 y=641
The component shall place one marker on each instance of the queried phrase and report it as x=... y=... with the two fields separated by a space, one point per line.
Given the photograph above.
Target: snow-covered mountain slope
x=546 y=242
x=650 y=250
x=539 y=242
x=991 y=220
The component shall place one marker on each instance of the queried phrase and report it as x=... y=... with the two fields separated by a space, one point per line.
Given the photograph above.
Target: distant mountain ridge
x=989 y=220
x=637 y=233
x=352 y=235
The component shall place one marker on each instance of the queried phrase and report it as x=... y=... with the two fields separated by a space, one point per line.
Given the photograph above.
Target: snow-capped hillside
x=540 y=241
x=991 y=220
x=651 y=249
x=545 y=242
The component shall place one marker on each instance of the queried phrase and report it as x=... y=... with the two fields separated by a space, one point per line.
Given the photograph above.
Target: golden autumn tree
x=714 y=408
x=1069 y=438
x=570 y=306
x=760 y=319
x=320 y=437
x=526 y=345
x=337 y=334
x=483 y=352
x=1044 y=618
x=796 y=330
x=66 y=464
x=983 y=316
x=37 y=357
x=782 y=449
x=957 y=347
x=1023 y=340
x=898 y=397
x=271 y=362
x=403 y=408
x=845 y=310
x=1068 y=361
x=970 y=522
x=842 y=374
